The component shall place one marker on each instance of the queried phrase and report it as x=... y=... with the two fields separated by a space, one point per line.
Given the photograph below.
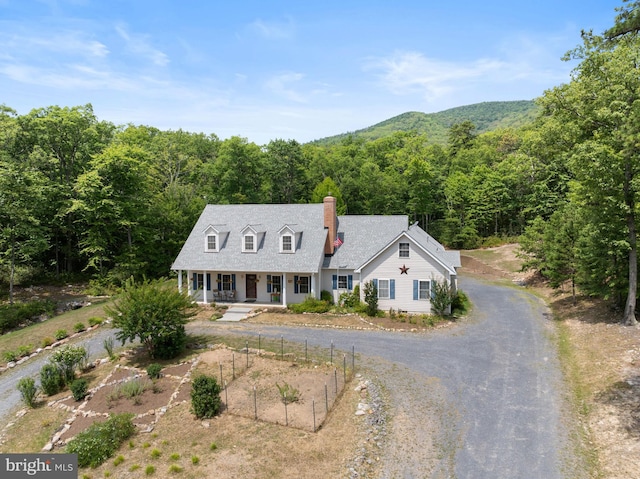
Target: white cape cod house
x=280 y=254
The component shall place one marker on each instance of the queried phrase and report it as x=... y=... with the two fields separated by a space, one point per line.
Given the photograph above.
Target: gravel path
x=482 y=399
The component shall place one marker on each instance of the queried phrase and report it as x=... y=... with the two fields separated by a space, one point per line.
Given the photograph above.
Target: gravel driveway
x=482 y=399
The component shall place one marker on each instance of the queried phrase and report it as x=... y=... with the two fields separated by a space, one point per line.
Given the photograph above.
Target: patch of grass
x=213 y=446
x=174 y=468
x=118 y=460
x=35 y=333
x=155 y=453
x=134 y=467
x=579 y=396
x=195 y=460
x=149 y=470
x=174 y=457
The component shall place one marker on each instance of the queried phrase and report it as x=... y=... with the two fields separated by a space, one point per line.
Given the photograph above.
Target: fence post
x=332 y=351
x=255 y=404
x=344 y=368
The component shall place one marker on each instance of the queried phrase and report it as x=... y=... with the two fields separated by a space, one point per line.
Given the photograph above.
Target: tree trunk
x=630 y=307
x=12 y=272
x=629 y=318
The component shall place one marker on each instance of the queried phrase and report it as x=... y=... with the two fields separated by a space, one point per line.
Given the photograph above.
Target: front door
x=251 y=286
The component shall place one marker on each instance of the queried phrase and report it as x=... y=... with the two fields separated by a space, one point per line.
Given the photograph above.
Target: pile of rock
x=370 y=407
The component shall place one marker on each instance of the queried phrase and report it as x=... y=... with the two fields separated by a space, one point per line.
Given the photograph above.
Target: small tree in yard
x=371 y=298
x=441 y=297
x=155 y=313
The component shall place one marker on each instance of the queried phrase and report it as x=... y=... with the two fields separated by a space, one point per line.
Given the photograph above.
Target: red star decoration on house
x=403 y=269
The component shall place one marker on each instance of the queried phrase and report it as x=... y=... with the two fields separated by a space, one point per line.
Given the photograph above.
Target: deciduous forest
x=82 y=197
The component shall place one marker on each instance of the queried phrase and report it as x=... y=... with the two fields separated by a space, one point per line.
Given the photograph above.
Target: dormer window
x=249 y=244
x=212 y=242
x=287 y=244
x=214 y=237
x=289 y=238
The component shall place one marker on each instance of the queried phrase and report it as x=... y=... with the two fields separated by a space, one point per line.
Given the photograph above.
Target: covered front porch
x=258 y=288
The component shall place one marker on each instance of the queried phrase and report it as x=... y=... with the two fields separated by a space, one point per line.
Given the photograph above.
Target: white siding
x=420 y=266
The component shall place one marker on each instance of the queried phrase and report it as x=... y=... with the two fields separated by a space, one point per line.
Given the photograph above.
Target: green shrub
x=155 y=453
x=60 y=334
x=195 y=460
x=15 y=315
x=28 y=391
x=10 y=356
x=51 y=380
x=133 y=388
x=95 y=320
x=326 y=296
x=288 y=393
x=48 y=341
x=100 y=441
x=311 y=305
x=205 y=396
x=79 y=389
x=459 y=303
x=170 y=346
x=350 y=300
x=441 y=297
x=118 y=460
x=108 y=344
x=68 y=359
x=175 y=468
x=149 y=470
x=371 y=298
x=175 y=456
x=24 y=350
x=79 y=327
x=154 y=370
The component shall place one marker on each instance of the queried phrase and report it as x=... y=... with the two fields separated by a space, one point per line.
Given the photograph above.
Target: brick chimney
x=330 y=222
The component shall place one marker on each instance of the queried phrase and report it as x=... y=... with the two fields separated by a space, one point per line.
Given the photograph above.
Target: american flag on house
x=338 y=242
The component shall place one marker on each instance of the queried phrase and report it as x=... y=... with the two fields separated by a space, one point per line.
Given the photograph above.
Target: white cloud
x=281 y=86
x=522 y=65
x=411 y=72
x=274 y=30
x=139 y=44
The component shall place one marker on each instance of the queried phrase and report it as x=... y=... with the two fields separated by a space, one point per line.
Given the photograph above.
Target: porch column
x=179 y=281
x=284 y=289
x=204 y=287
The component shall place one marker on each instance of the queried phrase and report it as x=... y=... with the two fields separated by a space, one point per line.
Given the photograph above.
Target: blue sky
x=284 y=69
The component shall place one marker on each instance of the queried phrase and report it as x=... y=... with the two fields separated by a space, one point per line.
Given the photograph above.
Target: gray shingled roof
x=450 y=258
x=364 y=237
x=308 y=219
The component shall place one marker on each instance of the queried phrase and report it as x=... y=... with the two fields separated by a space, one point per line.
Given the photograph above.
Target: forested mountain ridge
x=486 y=116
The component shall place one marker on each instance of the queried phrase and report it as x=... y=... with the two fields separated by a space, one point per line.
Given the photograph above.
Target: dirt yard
x=314 y=433
x=602 y=358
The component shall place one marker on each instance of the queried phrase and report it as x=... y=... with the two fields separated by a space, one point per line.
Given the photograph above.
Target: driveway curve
x=482 y=399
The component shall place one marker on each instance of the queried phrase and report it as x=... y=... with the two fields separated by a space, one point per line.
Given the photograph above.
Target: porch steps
x=236 y=313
